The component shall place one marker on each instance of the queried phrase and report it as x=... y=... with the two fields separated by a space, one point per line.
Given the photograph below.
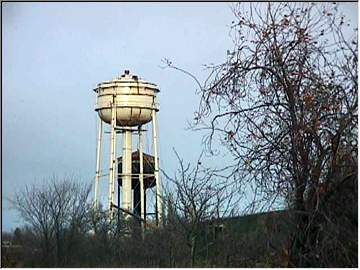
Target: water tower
x=127 y=104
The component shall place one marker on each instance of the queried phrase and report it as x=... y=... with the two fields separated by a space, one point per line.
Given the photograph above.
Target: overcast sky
x=54 y=54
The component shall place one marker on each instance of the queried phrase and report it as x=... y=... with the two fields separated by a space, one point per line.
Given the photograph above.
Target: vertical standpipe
x=112 y=158
x=141 y=178
x=126 y=171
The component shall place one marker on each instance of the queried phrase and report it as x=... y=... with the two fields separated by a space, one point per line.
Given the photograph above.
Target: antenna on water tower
x=127 y=103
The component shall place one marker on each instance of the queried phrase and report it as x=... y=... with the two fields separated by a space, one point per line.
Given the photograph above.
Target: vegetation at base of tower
x=96 y=241
x=196 y=195
x=56 y=217
x=284 y=106
x=189 y=236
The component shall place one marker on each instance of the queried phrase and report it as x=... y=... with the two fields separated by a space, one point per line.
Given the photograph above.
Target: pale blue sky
x=54 y=54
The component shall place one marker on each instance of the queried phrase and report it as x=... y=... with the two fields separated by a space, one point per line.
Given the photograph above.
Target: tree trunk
x=193 y=250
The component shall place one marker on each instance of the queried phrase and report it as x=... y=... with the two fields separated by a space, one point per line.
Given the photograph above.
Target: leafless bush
x=57 y=214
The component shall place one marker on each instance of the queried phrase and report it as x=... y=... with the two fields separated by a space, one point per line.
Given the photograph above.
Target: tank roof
x=127 y=77
x=135 y=156
x=149 y=166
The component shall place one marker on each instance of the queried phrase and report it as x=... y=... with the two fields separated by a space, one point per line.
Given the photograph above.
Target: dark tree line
x=63 y=230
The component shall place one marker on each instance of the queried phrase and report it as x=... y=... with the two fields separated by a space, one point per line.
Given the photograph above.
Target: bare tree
x=56 y=212
x=197 y=195
x=31 y=205
x=285 y=106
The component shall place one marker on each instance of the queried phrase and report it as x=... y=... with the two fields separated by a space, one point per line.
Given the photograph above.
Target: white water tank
x=134 y=99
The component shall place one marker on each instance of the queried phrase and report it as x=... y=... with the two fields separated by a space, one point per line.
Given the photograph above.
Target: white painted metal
x=156 y=169
x=98 y=155
x=112 y=160
x=141 y=176
x=127 y=102
x=126 y=171
x=133 y=96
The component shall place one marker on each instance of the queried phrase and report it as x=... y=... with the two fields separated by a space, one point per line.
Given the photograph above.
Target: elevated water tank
x=134 y=99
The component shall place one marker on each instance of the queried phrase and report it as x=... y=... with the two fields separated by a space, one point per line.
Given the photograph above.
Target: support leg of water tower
x=112 y=160
x=97 y=175
x=118 y=202
x=126 y=171
x=156 y=169
x=141 y=180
